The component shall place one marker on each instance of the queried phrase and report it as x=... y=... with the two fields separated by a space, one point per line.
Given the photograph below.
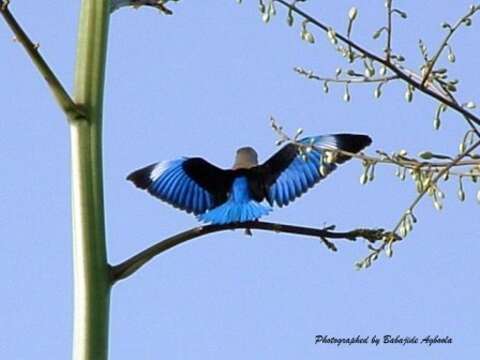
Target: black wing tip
x=353 y=142
x=365 y=140
x=141 y=177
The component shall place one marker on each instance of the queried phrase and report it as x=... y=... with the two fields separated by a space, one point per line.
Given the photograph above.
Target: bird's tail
x=232 y=212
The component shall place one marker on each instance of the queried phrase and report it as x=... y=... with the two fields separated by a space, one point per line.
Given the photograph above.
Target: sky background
x=204 y=82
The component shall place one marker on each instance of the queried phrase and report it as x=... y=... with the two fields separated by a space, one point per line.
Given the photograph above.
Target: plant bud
x=352 y=14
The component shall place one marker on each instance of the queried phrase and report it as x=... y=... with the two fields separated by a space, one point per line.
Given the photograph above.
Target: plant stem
x=71 y=110
x=388 y=49
x=394 y=68
x=451 y=31
x=130 y=266
x=91 y=270
x=350 y=80
x=419 y=197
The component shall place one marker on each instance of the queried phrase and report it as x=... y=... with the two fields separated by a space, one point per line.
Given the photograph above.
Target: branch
x=404 y=224
x=71 y=110
x=397 y=159
x=425 y=88
x=388 y=49
x=359 y=79
x=444 y=44
x=130 y=266
x=438 y=176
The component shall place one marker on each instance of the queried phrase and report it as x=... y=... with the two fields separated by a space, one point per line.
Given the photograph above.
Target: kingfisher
x=248 y=190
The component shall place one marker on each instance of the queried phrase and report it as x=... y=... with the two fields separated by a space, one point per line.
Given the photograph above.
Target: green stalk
x=91 y=270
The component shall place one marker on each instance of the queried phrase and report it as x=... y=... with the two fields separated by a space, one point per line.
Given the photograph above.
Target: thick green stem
x=91 y=270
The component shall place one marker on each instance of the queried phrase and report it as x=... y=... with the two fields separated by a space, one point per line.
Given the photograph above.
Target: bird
x=248 y=190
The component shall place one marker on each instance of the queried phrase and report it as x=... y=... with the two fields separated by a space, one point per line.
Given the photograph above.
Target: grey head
x=246 y=158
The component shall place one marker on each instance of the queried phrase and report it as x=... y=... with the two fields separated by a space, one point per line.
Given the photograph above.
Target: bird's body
x=248 y=190
x=239 y=207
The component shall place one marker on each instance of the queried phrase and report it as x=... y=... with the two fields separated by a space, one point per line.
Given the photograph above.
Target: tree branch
x=408 y=214
x=444 y=44
x=131 y=265
x=437 y=177
x=388 y=49
x=359 y=79
x=71 y=110
x=397 y=159
x=425 y=88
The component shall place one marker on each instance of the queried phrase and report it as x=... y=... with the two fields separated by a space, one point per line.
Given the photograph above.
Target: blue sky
x=204 y=82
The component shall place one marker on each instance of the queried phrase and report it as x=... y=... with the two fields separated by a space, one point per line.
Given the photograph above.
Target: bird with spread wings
x=247 y=191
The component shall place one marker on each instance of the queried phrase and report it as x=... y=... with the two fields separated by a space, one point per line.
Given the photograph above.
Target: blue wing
x=302 y=174
x=170 y=182
x=294 y=171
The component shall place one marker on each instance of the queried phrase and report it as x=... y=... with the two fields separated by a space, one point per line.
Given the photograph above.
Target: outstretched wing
x=190 y=184
x=289 y=173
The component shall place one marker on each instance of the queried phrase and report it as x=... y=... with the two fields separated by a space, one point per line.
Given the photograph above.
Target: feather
x=170 y=182
x=239 y=207
x=221 y=196
x=290 y=172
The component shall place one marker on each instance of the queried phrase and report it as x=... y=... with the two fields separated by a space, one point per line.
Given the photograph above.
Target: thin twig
x=410 y=163
x=444 y=92
x=131 y=265
x=389 y=31
x=71 y=110
x=395 y=160
x=472 y=125
x=396 y=70
x=437 y=178
x=444 y=44
x=359 y=80
x=419 y=197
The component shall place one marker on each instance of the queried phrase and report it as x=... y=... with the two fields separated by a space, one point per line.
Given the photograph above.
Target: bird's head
x=246 y=158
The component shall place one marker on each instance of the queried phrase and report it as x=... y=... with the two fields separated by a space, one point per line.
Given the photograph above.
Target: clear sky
x=204 y=82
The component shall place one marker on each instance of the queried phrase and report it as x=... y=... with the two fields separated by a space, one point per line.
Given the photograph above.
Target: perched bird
x=247 y=191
